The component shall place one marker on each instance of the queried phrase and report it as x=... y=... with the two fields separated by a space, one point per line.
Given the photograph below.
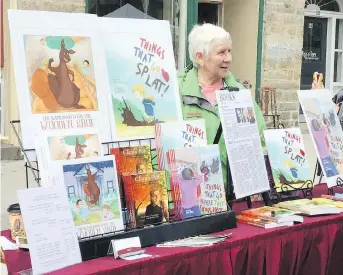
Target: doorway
x=314 y=50
x=314 y=53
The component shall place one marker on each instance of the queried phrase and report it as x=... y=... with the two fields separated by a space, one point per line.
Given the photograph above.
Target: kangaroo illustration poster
x=142 y=75
x=326 y=132
x=288 y=159
x=61 y=74
x=74 y=145
x=93 y=194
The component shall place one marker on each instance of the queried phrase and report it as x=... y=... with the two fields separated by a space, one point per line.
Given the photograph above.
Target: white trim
x=2 y=124
x=324 y=14
x=182 y=35
x=211 y=1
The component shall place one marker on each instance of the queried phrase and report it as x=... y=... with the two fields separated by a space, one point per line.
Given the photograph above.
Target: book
x=93 y=195
x=146 y=198
x=178 y=134
x=273 y=214
x=309 y=207
x=335 y=198
x=197 y=181
x=133 y=160
x=263 y=223
x=288 y=159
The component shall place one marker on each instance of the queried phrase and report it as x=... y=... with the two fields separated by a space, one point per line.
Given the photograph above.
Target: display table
x=314 y=247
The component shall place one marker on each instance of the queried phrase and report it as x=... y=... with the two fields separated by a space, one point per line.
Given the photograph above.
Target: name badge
x=194 y=114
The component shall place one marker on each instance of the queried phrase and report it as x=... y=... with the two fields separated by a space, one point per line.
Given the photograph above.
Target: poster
x=288 y=159
x=60 y=72
x=73 y=145
x=243 y=144
x=326 y=132
x=93 y=195
x=142 y=75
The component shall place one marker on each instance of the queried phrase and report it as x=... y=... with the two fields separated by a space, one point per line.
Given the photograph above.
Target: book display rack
x=97 y=246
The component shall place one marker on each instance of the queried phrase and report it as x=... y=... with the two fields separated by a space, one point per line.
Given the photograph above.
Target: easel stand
x=339 y=183
x=319 y=172
x=97 y=246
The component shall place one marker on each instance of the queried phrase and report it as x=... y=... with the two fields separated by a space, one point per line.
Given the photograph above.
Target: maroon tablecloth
x=315 y=247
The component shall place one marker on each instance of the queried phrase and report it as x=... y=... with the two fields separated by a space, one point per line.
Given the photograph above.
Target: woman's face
x=217 y=62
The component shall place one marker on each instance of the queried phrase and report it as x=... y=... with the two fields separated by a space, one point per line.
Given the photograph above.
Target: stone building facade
x=282 y=54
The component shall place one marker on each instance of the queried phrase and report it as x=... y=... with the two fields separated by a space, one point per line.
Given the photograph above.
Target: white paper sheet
x=7 y=244
x=49 y=228
x=243 y=144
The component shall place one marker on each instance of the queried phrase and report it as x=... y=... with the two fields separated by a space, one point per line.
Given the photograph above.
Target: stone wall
x=282 y=54
x=53 y=5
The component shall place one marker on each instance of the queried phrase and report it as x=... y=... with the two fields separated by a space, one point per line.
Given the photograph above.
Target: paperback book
x=197 y=181
x=146 y=198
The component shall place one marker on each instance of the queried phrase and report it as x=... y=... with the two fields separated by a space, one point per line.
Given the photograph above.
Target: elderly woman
x=210 y=49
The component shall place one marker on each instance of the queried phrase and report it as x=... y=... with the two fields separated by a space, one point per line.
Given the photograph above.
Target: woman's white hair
x=203 y=39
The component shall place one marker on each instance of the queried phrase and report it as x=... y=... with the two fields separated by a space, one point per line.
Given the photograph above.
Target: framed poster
x=288 y=159
x=60 y=72
x=142 y=75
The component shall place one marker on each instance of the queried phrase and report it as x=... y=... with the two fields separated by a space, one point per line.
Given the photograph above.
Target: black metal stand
x=339 y=183
x=28 y=164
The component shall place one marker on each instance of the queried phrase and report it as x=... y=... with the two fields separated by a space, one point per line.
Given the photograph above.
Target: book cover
x=178 y=134
x=73 y=145
x=272 y=214
x=197 y=181
x=133 y=160
x=146 y=198
x=93 y=195
x=288 y=159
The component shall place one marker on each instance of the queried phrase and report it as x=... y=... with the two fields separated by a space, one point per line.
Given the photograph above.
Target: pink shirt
x=209 y=92
x=189 y=196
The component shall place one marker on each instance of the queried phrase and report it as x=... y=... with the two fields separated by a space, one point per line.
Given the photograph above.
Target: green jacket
x=195 y=106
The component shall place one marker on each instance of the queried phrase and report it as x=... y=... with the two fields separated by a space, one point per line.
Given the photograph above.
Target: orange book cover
x=133 y=160
x=147 y=198
x=252 y=221
x=267 y=212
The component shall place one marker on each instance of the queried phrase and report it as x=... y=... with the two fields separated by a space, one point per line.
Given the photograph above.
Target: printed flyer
x=243 y=143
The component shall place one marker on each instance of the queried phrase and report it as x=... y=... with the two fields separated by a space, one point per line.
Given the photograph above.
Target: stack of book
x=269 y=217
x=314 y=207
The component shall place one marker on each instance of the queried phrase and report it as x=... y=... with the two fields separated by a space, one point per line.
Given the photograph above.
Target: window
x=110 y=186
x=338 y=59
x=71 y=191
x=321 y=5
